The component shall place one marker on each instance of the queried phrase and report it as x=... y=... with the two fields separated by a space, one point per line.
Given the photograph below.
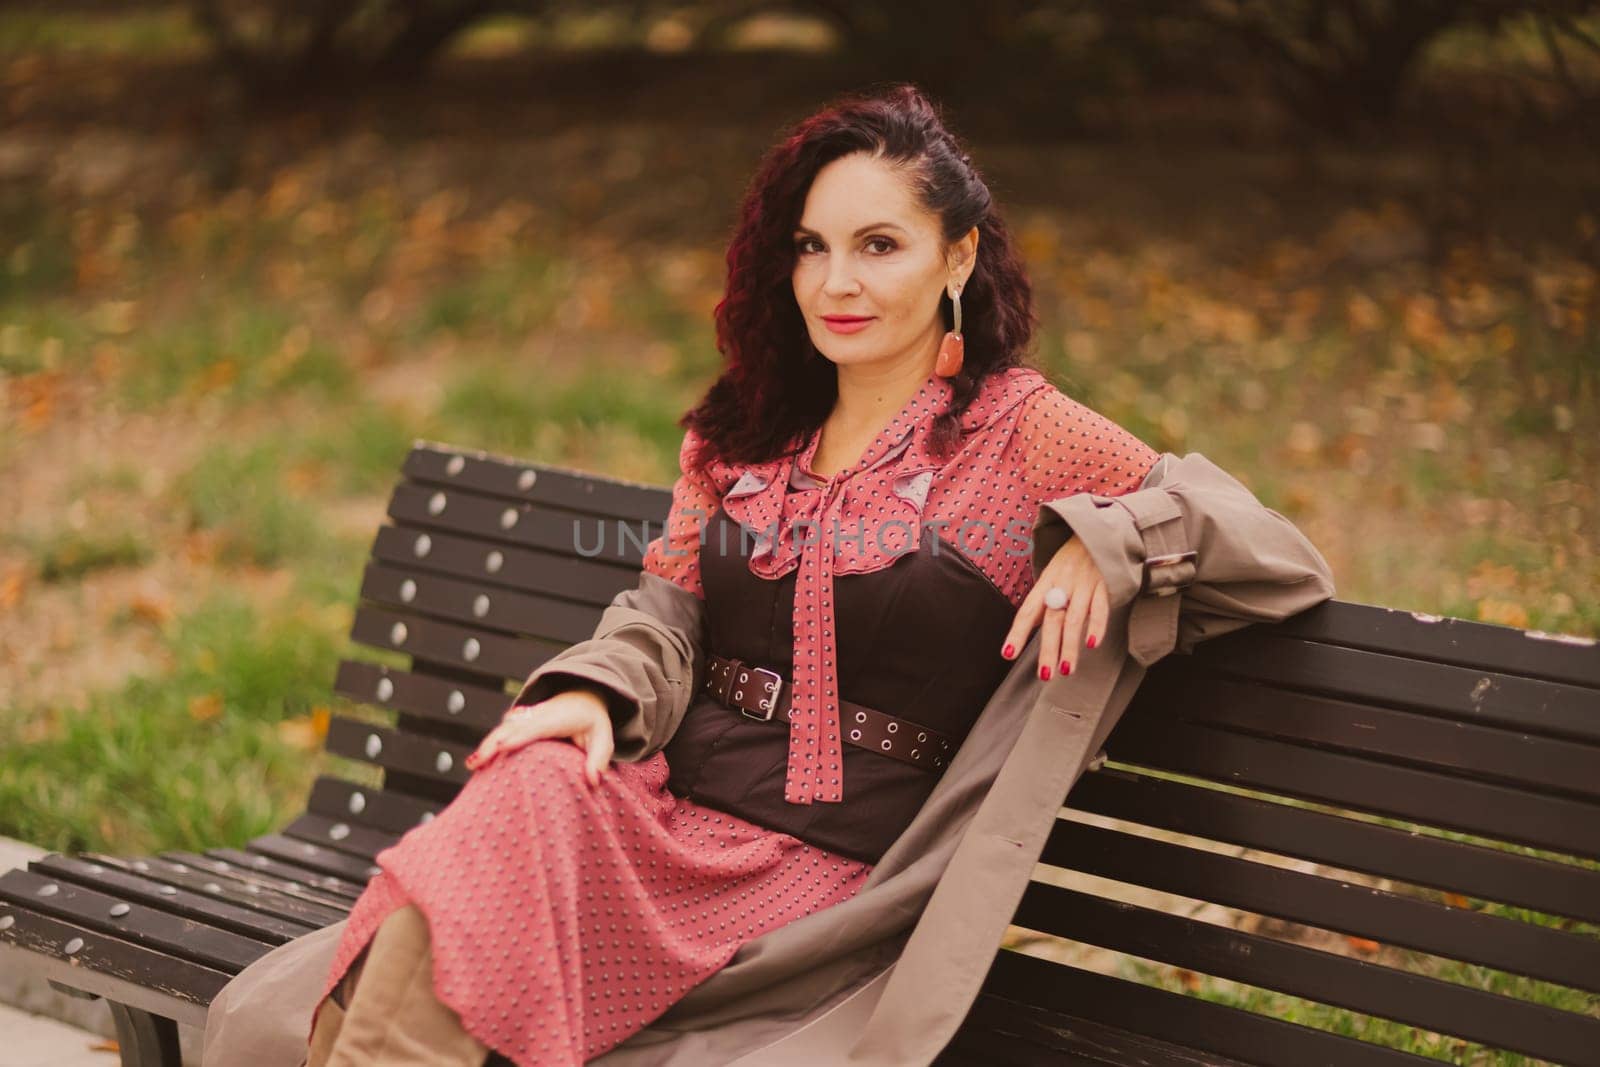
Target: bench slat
x=121 y=971
x=333 y=891
x=359 y=841
x=1473 y=645
x=325 y=861
x=1356 y=985
x=618 y=542
x=90 y=909
x=475 y=708
x=508 y=477
x=1485 y=753
x=1555 y=709
x=479 y=607
x=380 y=809
x=212 y=907
x=493 y=657
x=1389 y=918
x=1184 y=1020
x=1458 y=866
x=995 y=1048
x=571 y=577
x=1429 y=797
x=305 y=905
x=998 y=1030
x=394 y=750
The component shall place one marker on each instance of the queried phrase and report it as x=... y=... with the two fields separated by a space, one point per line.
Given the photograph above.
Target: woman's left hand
x=1081 y=619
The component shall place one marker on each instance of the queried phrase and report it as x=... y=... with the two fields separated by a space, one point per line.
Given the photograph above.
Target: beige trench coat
x=885 y=978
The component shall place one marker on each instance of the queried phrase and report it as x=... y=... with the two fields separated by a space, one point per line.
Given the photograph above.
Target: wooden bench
x=1392 y=726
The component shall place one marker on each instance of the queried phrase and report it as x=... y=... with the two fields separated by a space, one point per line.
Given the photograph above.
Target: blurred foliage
x=1340 y=66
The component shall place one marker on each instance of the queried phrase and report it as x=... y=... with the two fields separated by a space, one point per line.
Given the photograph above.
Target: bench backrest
x=1419 y=795
x=1440 y=763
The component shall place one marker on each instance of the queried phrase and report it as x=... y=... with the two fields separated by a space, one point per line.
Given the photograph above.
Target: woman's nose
x=841 y=278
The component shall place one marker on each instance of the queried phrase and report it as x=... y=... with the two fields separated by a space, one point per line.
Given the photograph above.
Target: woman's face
x=871 y=265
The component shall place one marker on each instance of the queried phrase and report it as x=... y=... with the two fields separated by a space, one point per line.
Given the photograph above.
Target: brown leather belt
x=760 y=693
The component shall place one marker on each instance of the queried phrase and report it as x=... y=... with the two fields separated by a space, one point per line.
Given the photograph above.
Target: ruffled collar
x=757 y=495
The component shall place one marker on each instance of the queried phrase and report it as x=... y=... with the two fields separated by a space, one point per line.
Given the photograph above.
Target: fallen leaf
x=205 y=708
x=305 y=732
x=298 y=733
x=1362 y=945
x=1503 y=612
x=152 y=607
x=11 y=587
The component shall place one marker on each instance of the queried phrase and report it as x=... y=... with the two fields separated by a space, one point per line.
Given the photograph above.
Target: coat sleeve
x=647 y=654
x=1193 y=549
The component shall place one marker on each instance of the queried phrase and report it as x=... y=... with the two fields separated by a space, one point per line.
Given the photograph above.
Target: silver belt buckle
x=770 y=703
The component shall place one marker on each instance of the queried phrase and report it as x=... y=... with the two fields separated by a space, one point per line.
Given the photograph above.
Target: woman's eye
x=888 y=244
x=801 y=245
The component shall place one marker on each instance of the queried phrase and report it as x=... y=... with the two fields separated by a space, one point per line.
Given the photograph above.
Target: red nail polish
x=1044 y=672
x=1091 y=642
x=1066 y=668
x=1008 y=651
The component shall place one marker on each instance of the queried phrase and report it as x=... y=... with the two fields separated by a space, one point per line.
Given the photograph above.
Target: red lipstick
x=846 y=323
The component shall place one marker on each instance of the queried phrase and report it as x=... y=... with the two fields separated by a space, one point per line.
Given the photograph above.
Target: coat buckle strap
x=1168 y=573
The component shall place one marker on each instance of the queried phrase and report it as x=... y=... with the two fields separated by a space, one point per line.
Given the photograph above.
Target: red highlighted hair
x=776 y=388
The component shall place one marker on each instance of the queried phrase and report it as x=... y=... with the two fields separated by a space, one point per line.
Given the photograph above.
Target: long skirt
x=566 y=917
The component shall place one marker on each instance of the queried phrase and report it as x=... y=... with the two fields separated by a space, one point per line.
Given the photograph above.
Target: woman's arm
x=1198 y=551
x=647 y=655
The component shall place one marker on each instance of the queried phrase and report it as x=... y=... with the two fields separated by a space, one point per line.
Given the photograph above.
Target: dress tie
x=815 y=768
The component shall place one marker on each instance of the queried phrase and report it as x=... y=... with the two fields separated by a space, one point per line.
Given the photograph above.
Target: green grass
x=231 y=347
x=515 y=411
x=364 y=449
x=186 y=758
x=71 y=554
x=237 y=493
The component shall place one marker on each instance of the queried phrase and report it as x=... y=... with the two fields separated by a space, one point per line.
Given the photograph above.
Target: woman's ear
x=962 y=257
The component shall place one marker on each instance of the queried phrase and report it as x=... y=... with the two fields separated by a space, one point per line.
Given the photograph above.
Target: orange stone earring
x=952 y=348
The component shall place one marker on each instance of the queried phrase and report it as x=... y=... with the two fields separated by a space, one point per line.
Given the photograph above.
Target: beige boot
x=384 y=1010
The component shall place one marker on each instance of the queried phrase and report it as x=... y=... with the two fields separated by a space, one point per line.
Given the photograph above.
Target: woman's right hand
x=580 y=715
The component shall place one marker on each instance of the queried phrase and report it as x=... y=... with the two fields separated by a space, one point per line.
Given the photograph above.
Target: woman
x=849 y=549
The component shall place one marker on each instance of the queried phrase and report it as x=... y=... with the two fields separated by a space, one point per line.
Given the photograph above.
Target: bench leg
x=146 y=1040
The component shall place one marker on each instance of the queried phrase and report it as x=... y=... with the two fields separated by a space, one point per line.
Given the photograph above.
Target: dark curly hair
x=775 y=386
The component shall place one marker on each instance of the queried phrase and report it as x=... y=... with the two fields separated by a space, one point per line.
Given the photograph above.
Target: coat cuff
x=1192 y=528
x=645 y=658
x=622 y=706
x=1140 y=546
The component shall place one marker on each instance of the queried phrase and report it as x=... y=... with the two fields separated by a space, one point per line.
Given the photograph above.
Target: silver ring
x=1055 y=598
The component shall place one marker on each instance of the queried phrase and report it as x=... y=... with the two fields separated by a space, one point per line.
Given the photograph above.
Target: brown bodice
x=919 y=639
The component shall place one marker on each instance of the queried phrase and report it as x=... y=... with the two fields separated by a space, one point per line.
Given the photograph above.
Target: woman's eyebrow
x=858 y=233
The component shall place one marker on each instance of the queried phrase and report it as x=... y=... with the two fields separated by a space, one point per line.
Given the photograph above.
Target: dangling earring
x=952 y=348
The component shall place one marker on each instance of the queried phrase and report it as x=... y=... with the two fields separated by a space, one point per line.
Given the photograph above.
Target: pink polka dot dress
x=564 y=918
